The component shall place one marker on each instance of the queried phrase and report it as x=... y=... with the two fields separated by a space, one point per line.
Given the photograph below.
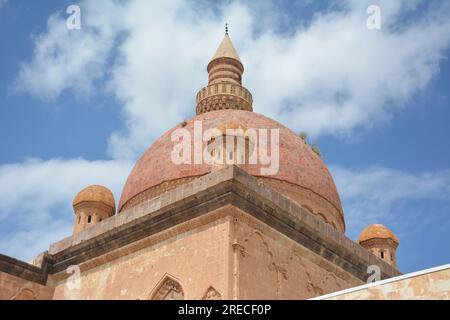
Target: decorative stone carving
x=239 y=248
x=228 y=98
x=212 y=294
x=271 y=263
x=168 y=289
x=279 y=271
x=328 y=283
x=297 y=282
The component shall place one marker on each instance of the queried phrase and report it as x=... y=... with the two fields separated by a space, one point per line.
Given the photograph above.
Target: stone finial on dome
x=380 y=241
x=92 y=205
x=224 y=89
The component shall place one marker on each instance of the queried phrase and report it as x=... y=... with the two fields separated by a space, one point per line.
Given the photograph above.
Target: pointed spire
x=224 y=89
x=226 y=49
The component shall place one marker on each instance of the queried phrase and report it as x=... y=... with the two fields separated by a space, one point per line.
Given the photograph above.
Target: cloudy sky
x=78 y=107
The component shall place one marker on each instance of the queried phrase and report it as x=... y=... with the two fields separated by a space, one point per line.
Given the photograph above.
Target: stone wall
x=225 y=254
x=186 y=262
x=431 y=284
x=272 y=266
x=16 y=288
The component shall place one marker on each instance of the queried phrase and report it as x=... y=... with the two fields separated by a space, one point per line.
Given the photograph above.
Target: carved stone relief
x=212 y=294
x=168 y=289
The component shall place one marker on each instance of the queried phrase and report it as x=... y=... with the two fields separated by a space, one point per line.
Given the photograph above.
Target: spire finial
x=226 y=28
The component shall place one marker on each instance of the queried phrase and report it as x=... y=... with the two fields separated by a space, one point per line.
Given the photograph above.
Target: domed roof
x=226 y=104
x=299 y=165
x=377 y=231
x=95 y=193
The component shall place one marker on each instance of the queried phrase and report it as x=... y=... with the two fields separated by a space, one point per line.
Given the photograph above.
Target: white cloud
x=388 y=196
x=36 y=198
x=332 y=76
x=336 y=75
x=72 y=59
x=27 y=243
x=3 y=3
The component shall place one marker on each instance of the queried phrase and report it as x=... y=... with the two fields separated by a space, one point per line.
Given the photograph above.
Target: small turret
x=92 y=205
x=380 y=241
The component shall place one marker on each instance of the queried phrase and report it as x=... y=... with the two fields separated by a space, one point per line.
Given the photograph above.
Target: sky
x=79 y=106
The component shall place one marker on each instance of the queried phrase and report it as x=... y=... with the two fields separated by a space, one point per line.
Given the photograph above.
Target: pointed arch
x=259 y=235
x=257 y=251
x=168 y=288
x=212 y=294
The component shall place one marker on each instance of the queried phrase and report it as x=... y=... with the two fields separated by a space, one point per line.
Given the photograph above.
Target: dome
x=302 y=176
x=225 y=104
x=377 y=231
x=95 y=193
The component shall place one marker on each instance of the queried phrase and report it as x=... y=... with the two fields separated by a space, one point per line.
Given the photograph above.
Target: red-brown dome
x=377 y=231
x=95 y=193
x=302 y=175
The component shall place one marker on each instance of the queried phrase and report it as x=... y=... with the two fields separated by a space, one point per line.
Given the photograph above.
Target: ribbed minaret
x=224 y=89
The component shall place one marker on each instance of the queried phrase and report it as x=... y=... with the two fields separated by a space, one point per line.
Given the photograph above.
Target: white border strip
x=382 y=282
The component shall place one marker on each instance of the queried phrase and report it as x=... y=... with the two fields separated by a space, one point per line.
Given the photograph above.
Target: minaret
x=224 y=89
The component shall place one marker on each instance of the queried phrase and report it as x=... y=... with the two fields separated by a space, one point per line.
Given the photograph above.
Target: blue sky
x=77 y=107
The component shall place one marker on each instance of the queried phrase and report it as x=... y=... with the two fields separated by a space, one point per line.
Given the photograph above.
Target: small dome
x=95 y=193
x=377 y=231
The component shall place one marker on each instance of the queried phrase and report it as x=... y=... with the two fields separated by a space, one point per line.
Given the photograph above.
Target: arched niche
x=168 y=288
